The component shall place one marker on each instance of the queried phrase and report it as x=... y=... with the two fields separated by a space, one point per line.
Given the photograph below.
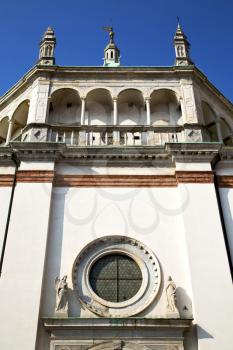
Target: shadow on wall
x=228 y=218
x=202 y=333
x=74 y=306
x=184 y=303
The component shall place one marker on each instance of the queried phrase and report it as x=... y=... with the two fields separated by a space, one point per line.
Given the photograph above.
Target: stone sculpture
x=172 y=310
x=61 y=287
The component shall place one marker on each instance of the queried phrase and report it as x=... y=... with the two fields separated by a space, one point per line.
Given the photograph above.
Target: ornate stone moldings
x=143 y=256
x=111 y=333
x=163 y=156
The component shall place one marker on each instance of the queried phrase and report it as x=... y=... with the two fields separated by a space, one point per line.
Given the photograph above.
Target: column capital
x=147 y=99
x=114 y=98
x=82 y=97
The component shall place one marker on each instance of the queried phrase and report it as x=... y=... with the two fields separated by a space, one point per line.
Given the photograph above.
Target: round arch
x=64 y=107
x=165 y=107
x=209 y=121
x=4 y=125
x=131 y=107
x=99 y=106
x=226 y=132
x=19 y=118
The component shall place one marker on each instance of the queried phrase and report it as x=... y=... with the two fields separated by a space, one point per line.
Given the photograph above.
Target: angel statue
x=171 y=296
x=61 y=287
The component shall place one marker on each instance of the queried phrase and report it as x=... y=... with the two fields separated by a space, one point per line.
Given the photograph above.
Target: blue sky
x=144 y=34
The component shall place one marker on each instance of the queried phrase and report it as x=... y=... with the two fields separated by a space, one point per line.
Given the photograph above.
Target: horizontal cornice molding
x=132 y=323
x=163 y=156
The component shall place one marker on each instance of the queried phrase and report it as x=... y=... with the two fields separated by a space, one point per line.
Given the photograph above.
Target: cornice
x=194 y=152
x=203 y=78
x=163 y=156
x=109 y=323
x=226 y=153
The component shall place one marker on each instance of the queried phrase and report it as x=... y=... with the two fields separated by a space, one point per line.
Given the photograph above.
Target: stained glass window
x=115 y=277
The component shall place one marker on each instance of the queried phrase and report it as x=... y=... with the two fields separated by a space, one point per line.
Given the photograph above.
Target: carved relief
x=189 y=103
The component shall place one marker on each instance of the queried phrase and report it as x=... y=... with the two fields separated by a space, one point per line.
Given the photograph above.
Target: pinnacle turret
x=111 y=51
x=182 y=48
x=47 y=46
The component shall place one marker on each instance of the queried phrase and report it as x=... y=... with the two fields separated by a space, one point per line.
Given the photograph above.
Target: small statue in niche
x=61 y=287
x=171 y=298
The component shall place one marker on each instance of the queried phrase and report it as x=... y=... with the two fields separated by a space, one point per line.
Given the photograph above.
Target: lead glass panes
x=115 y=277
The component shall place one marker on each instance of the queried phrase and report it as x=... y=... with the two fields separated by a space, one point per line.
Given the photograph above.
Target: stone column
x=148 y=120
x=82 y=133
x=116 y=134
x=219 y=132
x=83 y=110
x=115 y=119
x=9 y=132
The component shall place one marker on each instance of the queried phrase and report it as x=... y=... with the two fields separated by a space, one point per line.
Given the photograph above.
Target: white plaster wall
x=226 y=197
x=152 y=216
x=70 y=168
x=5 y=193
x=99 y=114
x=21 y=281
x=134 y=115
x=64 y=115
x=209 y=269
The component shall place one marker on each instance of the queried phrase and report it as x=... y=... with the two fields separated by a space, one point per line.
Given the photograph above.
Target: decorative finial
x=111 y=33
x=182 y=47
x=47 y=46
x=111 y=52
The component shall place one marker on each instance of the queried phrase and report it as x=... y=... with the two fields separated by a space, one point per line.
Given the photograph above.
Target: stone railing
x=114 y=135
x=107 y=135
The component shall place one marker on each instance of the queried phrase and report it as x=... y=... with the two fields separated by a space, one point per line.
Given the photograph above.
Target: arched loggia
x=165 y=108
x=64 y=107
x=19 y=119
x=99 y=107
x=131 y=108
x=210 y=120
x=4 y=125
x=226 y=132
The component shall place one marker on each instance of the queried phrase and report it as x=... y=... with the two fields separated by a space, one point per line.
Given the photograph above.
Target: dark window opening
x=115 y=277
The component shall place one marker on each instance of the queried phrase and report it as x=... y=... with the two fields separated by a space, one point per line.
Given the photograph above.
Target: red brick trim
x=115 y=181
x=225 y=181
x=195 y=177
x=6 y=180
x=35 y=176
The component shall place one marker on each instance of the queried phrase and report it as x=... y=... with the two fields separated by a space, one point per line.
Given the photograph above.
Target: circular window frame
x=138 y=261
x=142 y=255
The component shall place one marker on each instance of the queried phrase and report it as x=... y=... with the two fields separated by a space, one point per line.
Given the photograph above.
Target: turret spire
x=182 y=47
x=111 y=52
x=47 y=46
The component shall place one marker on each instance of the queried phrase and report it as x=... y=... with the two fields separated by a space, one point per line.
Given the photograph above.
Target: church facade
x=116 y=202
